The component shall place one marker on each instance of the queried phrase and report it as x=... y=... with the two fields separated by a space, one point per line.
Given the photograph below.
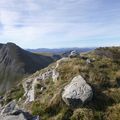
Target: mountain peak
x=15 y=62
x=10 y=43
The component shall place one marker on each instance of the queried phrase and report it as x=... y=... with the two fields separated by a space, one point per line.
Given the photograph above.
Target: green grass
x=14 y=94
x=101 y=75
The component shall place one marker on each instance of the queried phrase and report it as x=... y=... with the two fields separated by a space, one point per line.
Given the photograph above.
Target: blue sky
x=60 y=23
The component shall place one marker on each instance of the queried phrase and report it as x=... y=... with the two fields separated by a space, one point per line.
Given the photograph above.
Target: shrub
x=37 y=108
x=14 y=94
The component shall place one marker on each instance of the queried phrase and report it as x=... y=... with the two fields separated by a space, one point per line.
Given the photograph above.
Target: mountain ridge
x=16 y=62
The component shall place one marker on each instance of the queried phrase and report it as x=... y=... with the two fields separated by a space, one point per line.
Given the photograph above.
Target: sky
x=60 y=23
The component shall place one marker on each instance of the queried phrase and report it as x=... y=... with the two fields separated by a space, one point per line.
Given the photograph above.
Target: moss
x=37 y=108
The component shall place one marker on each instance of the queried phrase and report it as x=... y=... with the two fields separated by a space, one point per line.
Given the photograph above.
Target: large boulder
x=77 y=92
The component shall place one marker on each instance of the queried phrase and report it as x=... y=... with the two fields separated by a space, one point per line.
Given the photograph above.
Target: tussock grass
x=103 y=75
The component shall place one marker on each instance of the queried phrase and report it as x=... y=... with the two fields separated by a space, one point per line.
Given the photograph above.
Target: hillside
x=85 y=87
x=16 y=62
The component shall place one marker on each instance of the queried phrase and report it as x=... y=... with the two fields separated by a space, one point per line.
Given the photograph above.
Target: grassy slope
x=104 y=77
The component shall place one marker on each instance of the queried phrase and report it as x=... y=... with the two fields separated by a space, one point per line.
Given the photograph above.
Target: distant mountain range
x=59 y=50
x=16 y=62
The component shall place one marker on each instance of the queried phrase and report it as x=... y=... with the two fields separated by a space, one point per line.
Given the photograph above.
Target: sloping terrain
x=110 y=52
x=16 y=62
x=98 y=77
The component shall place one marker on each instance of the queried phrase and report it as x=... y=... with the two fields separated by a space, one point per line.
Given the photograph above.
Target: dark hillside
x=16 y=62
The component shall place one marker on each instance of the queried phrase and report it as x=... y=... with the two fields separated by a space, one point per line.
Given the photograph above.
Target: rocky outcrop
x=77 y=92
x=73 y=54
x=11 y=111
x=19 y=115
x=47 y=74
x=30 y=83
x=55 y=75
x=9 y=108
x=29 y=87
x=13 y=117
x=89 y=60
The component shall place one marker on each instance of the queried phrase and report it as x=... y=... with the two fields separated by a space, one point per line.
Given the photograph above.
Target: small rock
x=36 y=118
x=88 y=61
x=55 y=75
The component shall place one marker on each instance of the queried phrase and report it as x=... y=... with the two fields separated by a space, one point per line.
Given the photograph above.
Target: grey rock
x=88 y=61
x=55 y=75
x=77 y=92
x=19 y=115
x=9 y=108
x=11 y=111
x=73 y=53
x=47 y=75
x=36 y=118
x=13 y=117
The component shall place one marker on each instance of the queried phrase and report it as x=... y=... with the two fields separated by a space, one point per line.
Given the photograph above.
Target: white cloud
x=42 y=21
x=8 y=18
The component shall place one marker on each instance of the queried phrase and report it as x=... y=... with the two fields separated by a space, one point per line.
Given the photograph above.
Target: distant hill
x=110 y=52
x=16 y=62
x=59 y=50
